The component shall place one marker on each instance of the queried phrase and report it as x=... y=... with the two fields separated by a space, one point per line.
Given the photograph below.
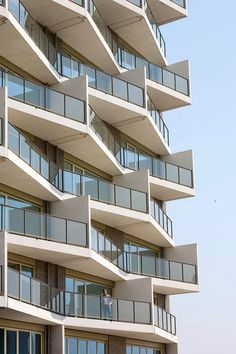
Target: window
x=79 y=286
x=23 y=269
x=84 y=346
x=20 y=342
x=142 y=350
x=131 y=247
x=159 y=300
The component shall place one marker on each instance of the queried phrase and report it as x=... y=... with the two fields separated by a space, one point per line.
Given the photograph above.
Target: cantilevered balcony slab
x=166 y=98
x=130 y=22
x=121 y=329
x=17 y=47
x=74 y=25
x=170 y=287
x=131 y=222
x=166 y=11
x=16 y=173
x=167 y=191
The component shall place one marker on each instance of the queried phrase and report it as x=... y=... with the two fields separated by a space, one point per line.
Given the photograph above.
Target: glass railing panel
x=138 y=201
x=142 y=312
x=133 y=263
x=106 y=192
x=76 y=233
x=162 y=268
x=159 y=169
x=164 y=320
x=33 y=29
x=168 y=79
x=34 y=94
x=181 y=3
x=185 y=177
x=35 y=292
x=55 y=102
x=13 y=283
x=90 y=72
x=176 y=271
x=74 y=108
x=101 y=244
x=25 y=288
x=148 y=265
x=14 y=221
x=56 y=229
x=69 y=308
x=135 y=95
x=90 y=187
x=95 y=308
x=103 y=82
x=145 y=162
x=189 y=273
x=125 y=311
x=35 y=224
x=172 y=173
x=120 y=89
x=122 y=197
x=15 y=87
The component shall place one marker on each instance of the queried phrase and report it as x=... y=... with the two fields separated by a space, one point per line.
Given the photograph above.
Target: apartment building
x=88 y=261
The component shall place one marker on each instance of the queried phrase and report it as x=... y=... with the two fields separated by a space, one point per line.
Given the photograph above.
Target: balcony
x=101 y=81
x=169 y=10
x=168 y=89
x=28 y=40
x=143 y=265
x=73 y=306
x=132 y=24
x=28 y=234
x=80 y=25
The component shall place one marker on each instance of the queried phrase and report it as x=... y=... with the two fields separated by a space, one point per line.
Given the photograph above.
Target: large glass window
x=20 y=342
x=85 y=346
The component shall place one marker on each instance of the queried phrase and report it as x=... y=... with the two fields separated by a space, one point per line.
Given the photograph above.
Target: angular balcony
x=155 y=267
x=27 y=40
x=38 y=109
x=133 y=24
x=80 y=25
x=169 y=90
x=28 y=234
x=89 y=311
x=168 y=10
x=159 y=170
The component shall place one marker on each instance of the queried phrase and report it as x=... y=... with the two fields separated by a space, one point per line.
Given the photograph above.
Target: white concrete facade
x=86 y=173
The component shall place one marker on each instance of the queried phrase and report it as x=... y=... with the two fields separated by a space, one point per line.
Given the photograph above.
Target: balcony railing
x=155 y=73
x=155 y=27
x=43 y=97
x=92 y=306
x=158 y=168
x=138 y=3
x=164 y=320
x=161 y=218
x=34 y=30
x=101 y=81
x=142 y=264
x=37 y=293
x=102 y=191
x=129 y=158
x=43 y=226
x=29 y=153
x=159 y=122
x=32 y=291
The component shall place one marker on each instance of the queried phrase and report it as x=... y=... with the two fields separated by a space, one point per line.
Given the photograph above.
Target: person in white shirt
x=106 y=302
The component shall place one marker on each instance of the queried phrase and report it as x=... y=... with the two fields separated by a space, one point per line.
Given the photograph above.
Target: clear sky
x=206 y=322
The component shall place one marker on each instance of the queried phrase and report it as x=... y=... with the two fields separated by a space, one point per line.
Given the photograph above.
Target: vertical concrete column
x=56 y=339
x=172 y=349
x=116 y=345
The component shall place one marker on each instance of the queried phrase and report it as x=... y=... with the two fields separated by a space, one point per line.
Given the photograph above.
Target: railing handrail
x=155 y=65
x=7 y=72
x=97 y=70
x=138 y=254
x=41 y=213
x=154 y=202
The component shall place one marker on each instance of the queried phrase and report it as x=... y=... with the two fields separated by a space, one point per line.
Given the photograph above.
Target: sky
x=206 y=322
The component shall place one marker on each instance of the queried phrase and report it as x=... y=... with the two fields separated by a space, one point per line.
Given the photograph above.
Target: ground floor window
x=84 y=346
x=130 y=349
x=20 y=342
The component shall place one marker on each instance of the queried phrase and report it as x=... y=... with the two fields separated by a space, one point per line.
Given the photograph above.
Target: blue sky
x=206 y=322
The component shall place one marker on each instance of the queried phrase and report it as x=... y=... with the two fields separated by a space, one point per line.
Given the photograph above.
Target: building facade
x=88 y=261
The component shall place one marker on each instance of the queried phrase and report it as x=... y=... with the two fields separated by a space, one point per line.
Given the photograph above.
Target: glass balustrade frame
x=44 y=94
x=105 y=192
x=136 y=263
x=43 y=226
x=104 y=80
x=154 y=73
x=164 y=320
